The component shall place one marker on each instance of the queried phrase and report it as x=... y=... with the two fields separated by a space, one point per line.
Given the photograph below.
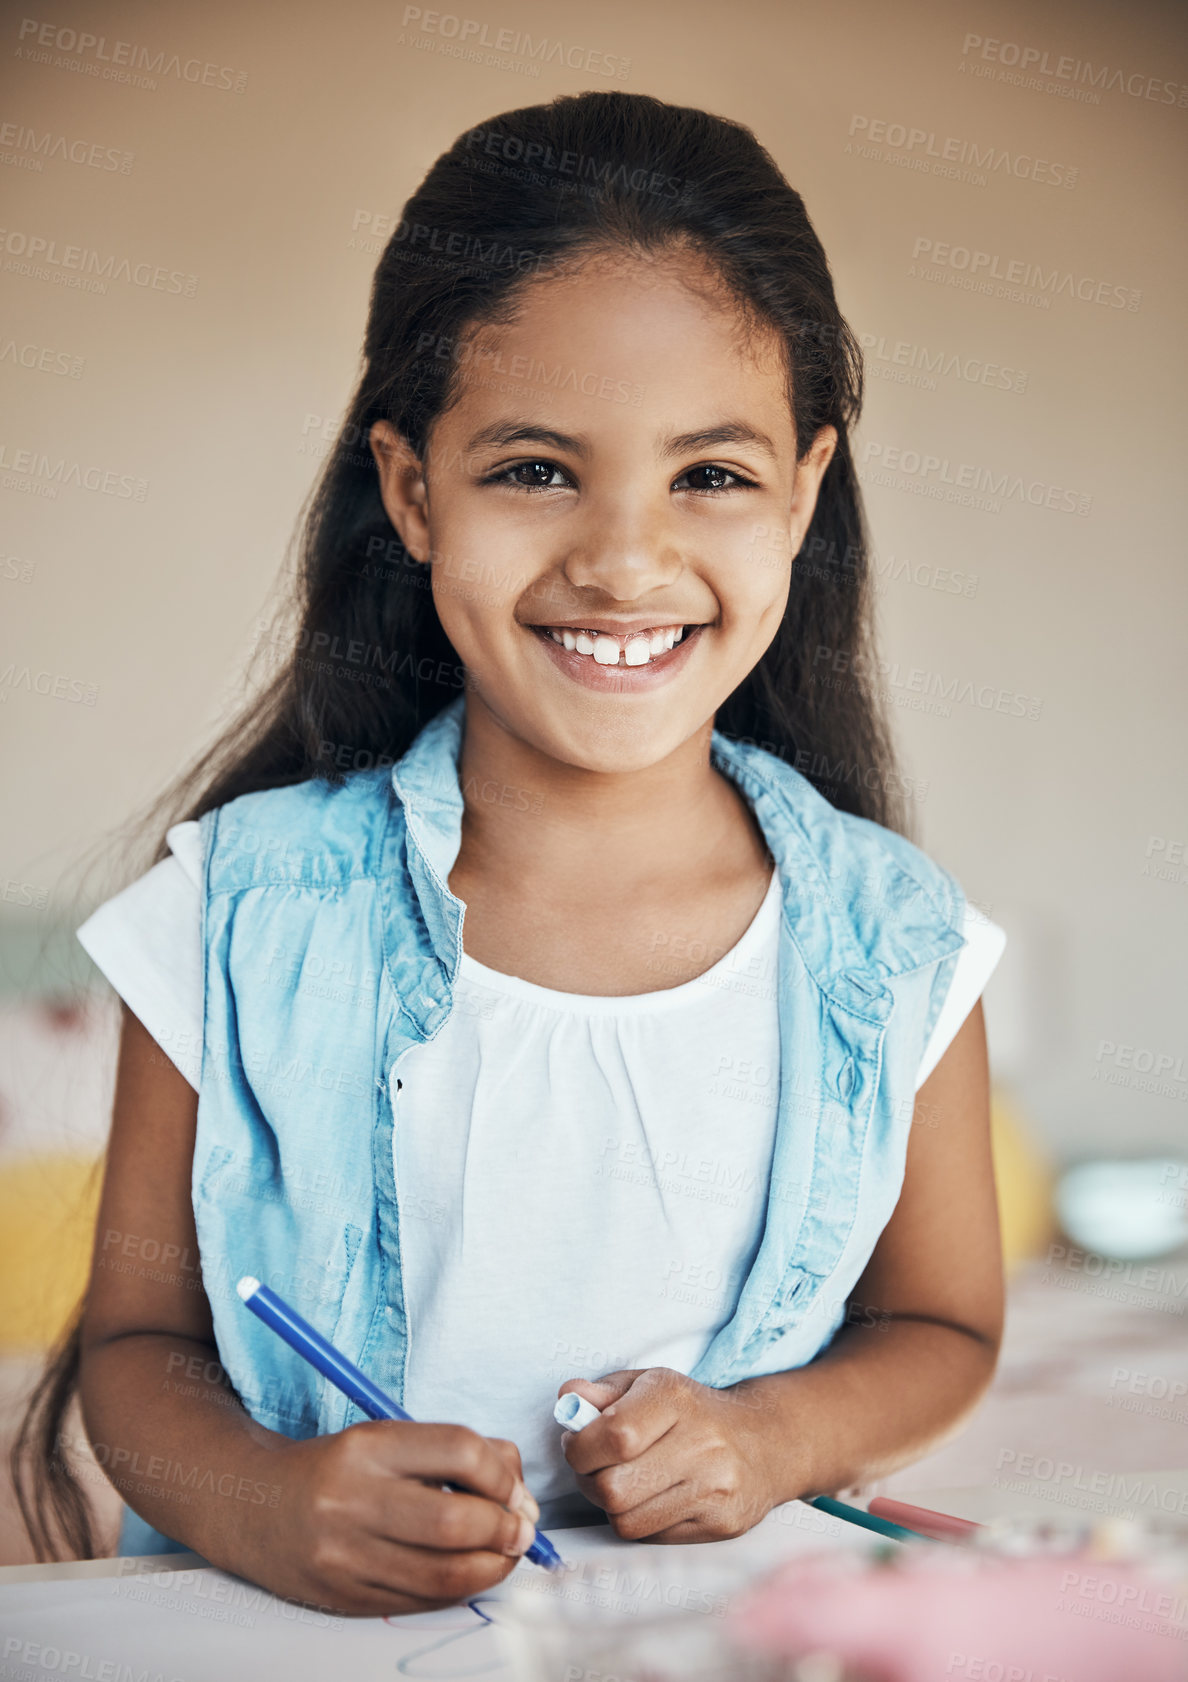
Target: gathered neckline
x=623 y=1004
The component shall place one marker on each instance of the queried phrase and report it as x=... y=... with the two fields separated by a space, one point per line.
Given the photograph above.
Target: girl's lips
x=618 y=680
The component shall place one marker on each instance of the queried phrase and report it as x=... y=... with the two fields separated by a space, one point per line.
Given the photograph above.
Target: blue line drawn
x=420 y=1664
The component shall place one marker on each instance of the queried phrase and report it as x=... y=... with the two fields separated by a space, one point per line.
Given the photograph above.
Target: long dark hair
x=508 y=204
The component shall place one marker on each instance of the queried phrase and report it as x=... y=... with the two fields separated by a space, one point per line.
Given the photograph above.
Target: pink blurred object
x=942 y=1527
x=952 y=1614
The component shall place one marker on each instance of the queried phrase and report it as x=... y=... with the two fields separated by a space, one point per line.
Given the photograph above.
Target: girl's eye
x=540 y=476
x=721 y=473
x=511 y=476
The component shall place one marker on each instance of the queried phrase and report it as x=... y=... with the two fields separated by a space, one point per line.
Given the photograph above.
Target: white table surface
x=982 y=1503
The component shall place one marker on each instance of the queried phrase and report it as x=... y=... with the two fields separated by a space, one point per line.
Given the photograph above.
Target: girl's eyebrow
x=678 y=444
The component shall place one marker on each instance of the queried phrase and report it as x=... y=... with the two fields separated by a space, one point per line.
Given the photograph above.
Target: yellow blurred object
x=1024 y=1178
x=48 y=1206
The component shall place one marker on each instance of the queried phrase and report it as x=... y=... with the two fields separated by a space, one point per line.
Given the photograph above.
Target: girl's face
x=620 y=460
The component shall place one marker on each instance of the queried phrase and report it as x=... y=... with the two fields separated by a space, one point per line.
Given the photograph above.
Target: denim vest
x=331 y=946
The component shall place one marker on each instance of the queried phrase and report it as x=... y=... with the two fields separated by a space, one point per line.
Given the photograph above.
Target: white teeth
x=636 y=649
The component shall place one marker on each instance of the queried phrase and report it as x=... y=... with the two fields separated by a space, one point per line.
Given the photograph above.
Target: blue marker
x=313 y=1347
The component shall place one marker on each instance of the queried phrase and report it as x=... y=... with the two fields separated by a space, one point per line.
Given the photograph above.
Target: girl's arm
x=677 y=1461
x=925 y=1319
x=354 y=1522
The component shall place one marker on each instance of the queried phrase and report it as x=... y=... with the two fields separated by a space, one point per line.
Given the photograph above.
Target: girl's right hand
x=363 y=1527
x=361 y=1524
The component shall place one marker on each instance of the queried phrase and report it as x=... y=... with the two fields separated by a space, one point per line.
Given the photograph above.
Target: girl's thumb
x=602 y=1391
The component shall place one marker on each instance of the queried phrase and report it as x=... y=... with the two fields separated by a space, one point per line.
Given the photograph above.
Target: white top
x=525 y=1095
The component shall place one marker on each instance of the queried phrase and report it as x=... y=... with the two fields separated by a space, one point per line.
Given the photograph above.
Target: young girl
x=539 y=993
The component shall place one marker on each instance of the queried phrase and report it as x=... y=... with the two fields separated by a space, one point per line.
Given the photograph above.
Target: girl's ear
x=807 y=484
x=402 y=487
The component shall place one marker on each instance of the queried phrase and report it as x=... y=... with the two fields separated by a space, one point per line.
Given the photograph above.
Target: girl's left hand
x=671 y=1459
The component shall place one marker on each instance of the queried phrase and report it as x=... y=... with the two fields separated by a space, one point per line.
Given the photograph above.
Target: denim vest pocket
x=216 y=1162
x=250 y=1217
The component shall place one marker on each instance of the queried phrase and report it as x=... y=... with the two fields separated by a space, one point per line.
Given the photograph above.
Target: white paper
x=201 y=1625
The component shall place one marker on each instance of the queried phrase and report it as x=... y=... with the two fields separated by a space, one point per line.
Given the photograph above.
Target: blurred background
x=1000 y=191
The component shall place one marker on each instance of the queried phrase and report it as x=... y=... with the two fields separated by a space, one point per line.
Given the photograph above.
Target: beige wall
x=1050 y=822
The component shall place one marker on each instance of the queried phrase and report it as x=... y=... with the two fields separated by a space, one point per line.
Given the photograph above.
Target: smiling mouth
x=632 y=648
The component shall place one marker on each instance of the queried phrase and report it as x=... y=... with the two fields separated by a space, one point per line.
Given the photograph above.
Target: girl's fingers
x=657 y=1513
x=419 y=1515
x=605 y=1390
x=510 y=1453
x=623 y=1487
x=630 y=1426
x=448 y=1454
x=392 y=1571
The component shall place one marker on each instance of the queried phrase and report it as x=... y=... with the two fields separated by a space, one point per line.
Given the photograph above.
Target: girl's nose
x=622 y=554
